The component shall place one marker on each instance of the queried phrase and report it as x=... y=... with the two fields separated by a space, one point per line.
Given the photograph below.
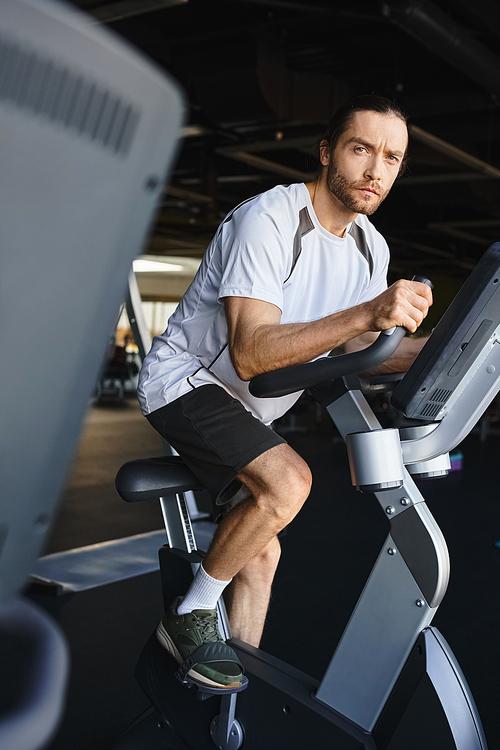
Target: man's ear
x=324 y=153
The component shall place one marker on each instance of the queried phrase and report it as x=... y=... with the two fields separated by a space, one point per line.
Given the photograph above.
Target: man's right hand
x=405 y=303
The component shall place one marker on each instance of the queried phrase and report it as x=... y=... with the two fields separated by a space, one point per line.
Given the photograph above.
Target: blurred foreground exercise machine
x=87 y=131
x=389 y=647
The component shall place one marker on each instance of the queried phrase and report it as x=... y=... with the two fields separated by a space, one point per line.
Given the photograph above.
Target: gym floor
x=328 y=552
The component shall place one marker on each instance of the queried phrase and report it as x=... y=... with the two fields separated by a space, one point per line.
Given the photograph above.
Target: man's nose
x=374 y=168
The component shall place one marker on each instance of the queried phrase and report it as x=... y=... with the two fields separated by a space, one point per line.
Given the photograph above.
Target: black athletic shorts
x=217 y=437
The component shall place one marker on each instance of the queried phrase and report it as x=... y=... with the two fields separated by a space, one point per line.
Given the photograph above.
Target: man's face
x=366 y=160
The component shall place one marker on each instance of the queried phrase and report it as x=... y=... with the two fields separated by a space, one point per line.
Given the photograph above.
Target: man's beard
x=347 y=193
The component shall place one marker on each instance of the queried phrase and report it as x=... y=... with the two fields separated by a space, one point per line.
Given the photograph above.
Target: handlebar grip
x=423 y=280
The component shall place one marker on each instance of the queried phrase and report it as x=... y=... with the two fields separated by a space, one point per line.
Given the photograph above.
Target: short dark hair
x=344 y=114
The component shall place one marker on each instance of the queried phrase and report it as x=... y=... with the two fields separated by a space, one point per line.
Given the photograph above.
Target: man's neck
x=330 y=212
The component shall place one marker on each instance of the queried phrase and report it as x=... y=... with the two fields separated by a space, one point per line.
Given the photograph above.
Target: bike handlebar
x=295 y=378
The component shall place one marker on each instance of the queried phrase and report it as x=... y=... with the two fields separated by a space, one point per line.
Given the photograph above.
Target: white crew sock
x=203 y=593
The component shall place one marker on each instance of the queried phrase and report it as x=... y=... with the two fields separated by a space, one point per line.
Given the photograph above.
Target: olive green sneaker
x=195 y=643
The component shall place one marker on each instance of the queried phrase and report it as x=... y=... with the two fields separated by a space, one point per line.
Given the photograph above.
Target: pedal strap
x=208 y=653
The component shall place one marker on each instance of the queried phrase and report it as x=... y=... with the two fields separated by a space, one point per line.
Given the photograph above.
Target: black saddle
x=151 y=478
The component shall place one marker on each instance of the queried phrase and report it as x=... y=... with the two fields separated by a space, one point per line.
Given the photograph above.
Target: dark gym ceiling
x=262 y=77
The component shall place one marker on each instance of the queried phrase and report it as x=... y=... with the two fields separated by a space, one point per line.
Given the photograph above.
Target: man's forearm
x=272 y=346
x=404 y=356
x=400 y=361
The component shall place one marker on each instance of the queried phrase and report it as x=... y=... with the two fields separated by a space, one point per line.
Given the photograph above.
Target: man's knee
x=289 y=492
x=280 y=482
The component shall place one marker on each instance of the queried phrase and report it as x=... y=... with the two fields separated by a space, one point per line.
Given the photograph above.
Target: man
x=289 y=276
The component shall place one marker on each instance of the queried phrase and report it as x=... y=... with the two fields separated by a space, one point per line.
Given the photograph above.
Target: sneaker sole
x=168 y=644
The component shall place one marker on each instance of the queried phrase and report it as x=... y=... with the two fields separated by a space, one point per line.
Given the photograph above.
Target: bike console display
x=455 y=345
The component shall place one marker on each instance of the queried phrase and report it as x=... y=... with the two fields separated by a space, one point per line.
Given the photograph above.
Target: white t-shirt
x=272 y=248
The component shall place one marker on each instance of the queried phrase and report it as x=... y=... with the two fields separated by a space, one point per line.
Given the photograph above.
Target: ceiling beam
x=299 y=143
x=436 y=179
x=188 y=195
x=486 y=13
x=463 y=263
x=437 y=31
x=462 y=157
x=265 y=164
x=117 y=11
x=456 y=229
x=159 y=245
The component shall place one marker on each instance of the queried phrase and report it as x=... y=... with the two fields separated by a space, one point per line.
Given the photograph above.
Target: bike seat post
x=177 y=522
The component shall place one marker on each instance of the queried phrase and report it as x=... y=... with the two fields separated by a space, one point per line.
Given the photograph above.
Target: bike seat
x=151 y=478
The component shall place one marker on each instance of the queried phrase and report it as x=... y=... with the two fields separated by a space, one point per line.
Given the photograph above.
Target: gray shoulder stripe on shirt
x=305 y=226
x=358 y=234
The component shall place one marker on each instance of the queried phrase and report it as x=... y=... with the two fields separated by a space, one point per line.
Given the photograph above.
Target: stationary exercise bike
x=389 y=647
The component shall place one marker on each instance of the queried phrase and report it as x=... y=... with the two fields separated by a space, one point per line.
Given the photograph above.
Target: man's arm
x=259 y=343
